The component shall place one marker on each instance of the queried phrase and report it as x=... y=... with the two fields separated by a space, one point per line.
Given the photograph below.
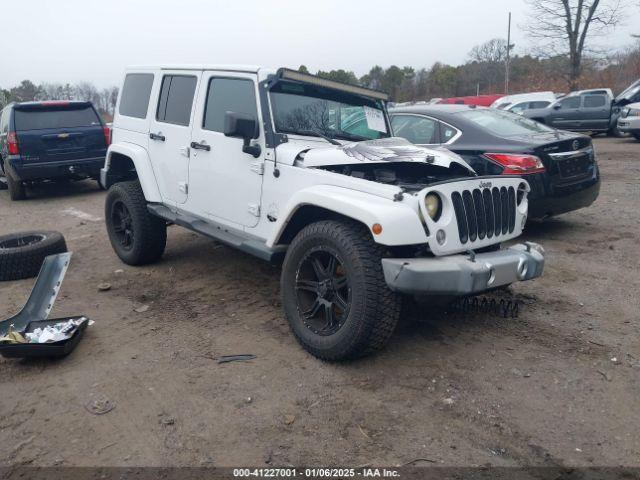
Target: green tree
x=344 y=76
x=25 y=92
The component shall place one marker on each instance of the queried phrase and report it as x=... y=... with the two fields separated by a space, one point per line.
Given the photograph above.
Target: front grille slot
x=484 y=213
x=471 y=215
x=458 y=207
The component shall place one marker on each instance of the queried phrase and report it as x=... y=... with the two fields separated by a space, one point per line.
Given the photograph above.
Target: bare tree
x=564 y=26
x=494 y=50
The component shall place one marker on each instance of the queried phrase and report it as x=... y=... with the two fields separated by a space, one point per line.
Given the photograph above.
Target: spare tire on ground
x=22 y=254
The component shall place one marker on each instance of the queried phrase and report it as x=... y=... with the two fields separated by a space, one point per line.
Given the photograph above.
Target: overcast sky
x=73 y=40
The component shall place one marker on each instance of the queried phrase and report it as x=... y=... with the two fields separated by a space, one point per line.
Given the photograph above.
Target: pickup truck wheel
x=137 y=236
x=16 y=188
x=637 y=136
x=334 y=293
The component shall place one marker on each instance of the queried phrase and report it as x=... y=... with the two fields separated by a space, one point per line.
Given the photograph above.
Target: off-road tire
x=22 y=254
x=17 y=190
x=637 y=136
x=374 y=309
x=149 y=232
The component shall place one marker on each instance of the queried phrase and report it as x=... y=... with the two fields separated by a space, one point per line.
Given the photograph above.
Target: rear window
x=176 y=99
x=503 y=123
x=55 y=118
x=134 y=100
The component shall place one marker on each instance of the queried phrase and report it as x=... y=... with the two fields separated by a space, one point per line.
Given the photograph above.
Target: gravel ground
x=463 y=389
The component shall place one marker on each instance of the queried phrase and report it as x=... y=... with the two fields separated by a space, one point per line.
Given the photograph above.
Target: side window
x=134 y=99
x=539 y=104
x=519 y=107
x=228 y=95
x=594 y=101
x=571 y=102
x=447 y=133
x=176 y=99
x=417 y=129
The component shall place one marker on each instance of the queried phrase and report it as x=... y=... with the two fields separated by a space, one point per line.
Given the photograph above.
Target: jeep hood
x=392 y=149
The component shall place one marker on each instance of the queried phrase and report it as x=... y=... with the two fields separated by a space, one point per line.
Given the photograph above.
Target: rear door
x=596 y=112
x=566 y=113
x=59 y=131
x=170 y=133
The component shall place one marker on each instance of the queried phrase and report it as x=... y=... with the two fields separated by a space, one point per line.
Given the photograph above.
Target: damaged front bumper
x=464 y=274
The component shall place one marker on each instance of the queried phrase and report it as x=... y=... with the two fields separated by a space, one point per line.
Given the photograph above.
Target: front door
x=225 y=182
x=596 y=111
x=170 y=134
x=566 y=113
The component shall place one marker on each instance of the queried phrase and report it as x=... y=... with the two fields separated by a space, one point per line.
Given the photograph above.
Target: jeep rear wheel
x=334 y=293
x=137 y=236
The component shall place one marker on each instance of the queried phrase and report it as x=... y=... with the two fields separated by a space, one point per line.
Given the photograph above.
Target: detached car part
x=35 y=312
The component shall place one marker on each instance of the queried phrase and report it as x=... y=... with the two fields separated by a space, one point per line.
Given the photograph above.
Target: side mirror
x=241 y=125
x=557 y=106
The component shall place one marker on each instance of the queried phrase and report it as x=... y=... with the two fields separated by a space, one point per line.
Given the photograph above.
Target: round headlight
x=433 y=206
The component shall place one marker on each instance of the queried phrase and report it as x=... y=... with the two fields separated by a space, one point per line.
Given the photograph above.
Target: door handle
x=201 y=146
x=157 y=136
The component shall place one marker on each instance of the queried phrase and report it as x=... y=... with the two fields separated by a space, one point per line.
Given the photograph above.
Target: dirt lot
x=541 y=389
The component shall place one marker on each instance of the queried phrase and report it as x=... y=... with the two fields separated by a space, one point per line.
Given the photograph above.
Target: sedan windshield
x=503 y=123
x=312 y=110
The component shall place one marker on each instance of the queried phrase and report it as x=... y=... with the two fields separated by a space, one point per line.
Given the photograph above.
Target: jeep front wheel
x=137 y=236
x=334 y=293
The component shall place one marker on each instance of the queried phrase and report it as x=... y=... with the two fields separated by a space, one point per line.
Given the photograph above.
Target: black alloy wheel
x=323 y=292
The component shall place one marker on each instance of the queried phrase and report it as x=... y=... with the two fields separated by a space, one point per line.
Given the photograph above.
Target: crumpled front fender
x=400 y=222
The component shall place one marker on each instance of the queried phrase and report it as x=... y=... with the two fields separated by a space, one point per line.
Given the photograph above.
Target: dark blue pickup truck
x=50 y=140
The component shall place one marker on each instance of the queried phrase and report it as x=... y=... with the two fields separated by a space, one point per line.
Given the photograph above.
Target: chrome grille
x=484 y=213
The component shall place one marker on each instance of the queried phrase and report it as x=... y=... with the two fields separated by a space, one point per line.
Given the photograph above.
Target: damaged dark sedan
x=560 y=166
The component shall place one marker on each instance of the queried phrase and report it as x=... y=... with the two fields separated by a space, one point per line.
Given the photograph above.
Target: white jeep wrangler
x=301 y=170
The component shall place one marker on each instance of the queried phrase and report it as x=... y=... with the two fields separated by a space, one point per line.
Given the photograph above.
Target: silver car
x=629 y=120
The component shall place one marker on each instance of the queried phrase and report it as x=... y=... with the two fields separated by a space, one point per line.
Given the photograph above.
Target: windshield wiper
x=351 y=136
x=314 y=132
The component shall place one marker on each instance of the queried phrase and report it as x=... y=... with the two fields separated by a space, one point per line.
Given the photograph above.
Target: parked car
x=559 y=166
x=592 y=111
x=479 y=100
x=518 y=103
x=302 y=170
x=50 y=140
x=629 y=121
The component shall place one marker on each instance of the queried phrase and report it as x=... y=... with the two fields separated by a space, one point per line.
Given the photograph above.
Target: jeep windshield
x=305 y=109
